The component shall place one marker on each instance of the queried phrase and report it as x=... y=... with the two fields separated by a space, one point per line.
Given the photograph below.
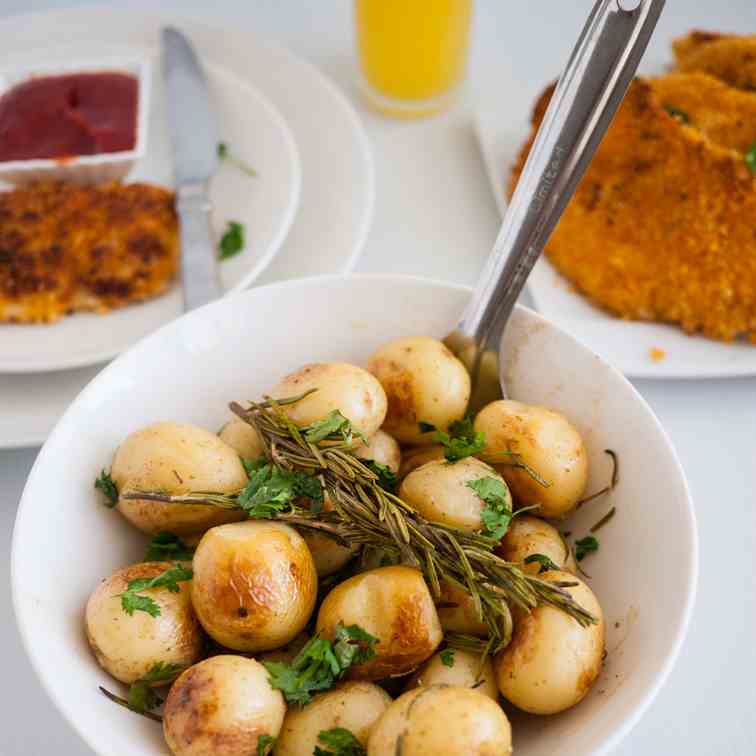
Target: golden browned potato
x=424 y=382
x=176 y=458
x=381 y=448
x=442 y=720
x=347 y=388
x=243 y=438
x=439 y=491
x=547 y=442
x=394 y=605
x=128 y=646
x=456 y=667
x=552 y=661
x=418 y=456
x=254 y=584
x=355 y=706
x=528 y=536
x=222 y=707
x=456 y=612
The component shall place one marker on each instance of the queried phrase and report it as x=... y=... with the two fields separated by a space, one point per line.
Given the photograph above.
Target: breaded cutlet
x=66 y=248
x=729 y=57
x=661 y=224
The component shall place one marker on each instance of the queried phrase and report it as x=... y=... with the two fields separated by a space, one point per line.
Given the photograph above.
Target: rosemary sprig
x=365 y=514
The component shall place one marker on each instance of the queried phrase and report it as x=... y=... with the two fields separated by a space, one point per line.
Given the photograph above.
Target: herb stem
x=123 y=702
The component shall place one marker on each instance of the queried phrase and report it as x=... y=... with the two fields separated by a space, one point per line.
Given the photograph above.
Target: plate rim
x=662 y=674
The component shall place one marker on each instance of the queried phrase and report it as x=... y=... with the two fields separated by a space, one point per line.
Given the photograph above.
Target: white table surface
x=435 y=217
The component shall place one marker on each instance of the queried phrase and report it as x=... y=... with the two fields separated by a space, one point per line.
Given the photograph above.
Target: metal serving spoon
x=584 y=102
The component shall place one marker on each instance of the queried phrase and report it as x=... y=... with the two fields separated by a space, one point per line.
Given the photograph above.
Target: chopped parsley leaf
x=272 y=489
x=132 y=600
x=105 y=483
x=265 y=745
x=543 y=560
x=461 y=441
x=497 y=514
x=387 y=478
x=166 y=547
x=340 y=742
x=232 y=241
x=142 y=696
x=585 y=546
x=447 y=657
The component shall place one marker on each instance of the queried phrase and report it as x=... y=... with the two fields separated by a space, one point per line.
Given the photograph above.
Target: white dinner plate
x=640 y=350
x=264 y=204
x=336 y=205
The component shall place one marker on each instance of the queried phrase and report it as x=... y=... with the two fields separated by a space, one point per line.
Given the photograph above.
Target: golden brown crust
x=660 y=225
x=65 y=248
x=729 y=57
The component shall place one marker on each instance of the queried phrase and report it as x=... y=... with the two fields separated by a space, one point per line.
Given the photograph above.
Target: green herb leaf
x=224 y=153
x=585 y=546
x=680 y=115
x=265 y=745
x=447 y=657
x=142 y=696
x=271 y=490
x=333 y=427
x=340 y=742
x=543 y=560
x=461 y=441
x=750 y=158
x=497 y=514
x=105 y=483
x=426 y=427
x=387 y=478
x=320 y=664
x=132 y=601
x=166 y=547
x=232 y=241
x=252 y=465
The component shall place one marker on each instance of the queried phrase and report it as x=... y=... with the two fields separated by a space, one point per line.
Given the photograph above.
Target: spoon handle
x=586 y=98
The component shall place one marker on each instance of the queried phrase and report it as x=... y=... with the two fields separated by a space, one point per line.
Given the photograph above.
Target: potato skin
x=552 y=662
x=442 y=720
x=127 y=646
x=254 y=584
x=439 y=492
x=416 y=457
x=547 y=442
x=529 y=535
x=242 y=438
x=383 y=449
x=177 y=458
x=393 y=604
x=461 y=618
x=356 y=706
x=424 y=382
x=221 y=707
x=463 y=673
x=350 y=389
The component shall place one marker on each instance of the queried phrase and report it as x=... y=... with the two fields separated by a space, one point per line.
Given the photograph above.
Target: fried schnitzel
x=729 y=57
x=661 y=225
x=66 y=248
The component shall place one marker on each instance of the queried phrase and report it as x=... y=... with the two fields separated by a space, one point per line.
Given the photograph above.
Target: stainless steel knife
x=195 y=157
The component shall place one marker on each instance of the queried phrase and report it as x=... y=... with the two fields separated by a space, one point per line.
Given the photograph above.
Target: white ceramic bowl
x=65 y=541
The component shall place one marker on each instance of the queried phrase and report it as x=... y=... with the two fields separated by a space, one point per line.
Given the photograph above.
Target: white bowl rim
x=683 y=621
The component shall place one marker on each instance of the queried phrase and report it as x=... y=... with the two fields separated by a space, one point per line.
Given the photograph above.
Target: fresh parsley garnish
x=387 y=478
x=497 y=514
x=333 y=427
x=265 y=745
x=680 y=115
x=166 y=547
x=750 y=158
x=105 y=483
x=461 y=441
x=232 y=241
x=132 y=600
x=142 y=696
x=585 y=546
x=543 y=560
x=224 y=153
x=340 y=742
x=447 y=657
x=321 y=663
x=426 y=427
x=272 y=489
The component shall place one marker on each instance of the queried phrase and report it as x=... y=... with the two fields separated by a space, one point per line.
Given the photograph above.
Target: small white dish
x=83 y=169
x=638 y=349
x=644 y=573
x=338 y=183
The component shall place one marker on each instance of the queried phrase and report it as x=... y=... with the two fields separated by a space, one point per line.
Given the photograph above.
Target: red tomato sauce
x=69 y=115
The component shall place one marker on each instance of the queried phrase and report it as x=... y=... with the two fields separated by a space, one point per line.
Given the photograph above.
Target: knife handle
x=199 y=267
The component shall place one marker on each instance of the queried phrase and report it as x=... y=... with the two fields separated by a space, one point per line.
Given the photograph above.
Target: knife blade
x=194 y=139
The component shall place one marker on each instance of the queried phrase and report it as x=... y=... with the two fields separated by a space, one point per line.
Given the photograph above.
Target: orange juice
x=413 y=52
